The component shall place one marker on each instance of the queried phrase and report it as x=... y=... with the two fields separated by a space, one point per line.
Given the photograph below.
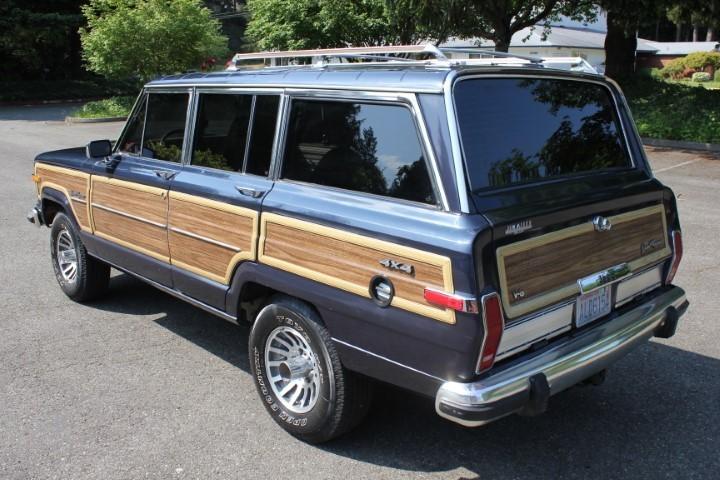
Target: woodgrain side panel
x=349 y=261
x=75 y=185
x=132 y=215
x=546 y=268
x=210 y=238
x=145 y=202
x=144 y=238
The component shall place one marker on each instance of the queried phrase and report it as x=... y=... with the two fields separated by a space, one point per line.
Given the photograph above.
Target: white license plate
x=592 y=306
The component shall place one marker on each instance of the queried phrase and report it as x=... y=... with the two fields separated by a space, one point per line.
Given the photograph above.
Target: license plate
x=592 y=306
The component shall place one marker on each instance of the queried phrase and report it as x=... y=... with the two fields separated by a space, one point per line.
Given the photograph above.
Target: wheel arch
x=52 y=202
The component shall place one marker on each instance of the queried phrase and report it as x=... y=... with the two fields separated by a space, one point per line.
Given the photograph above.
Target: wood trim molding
x=409 y=290
x=517 y=308
x=80 y=209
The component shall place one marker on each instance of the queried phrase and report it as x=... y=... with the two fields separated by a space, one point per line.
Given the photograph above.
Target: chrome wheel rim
x=66 y=256
x=292 y=369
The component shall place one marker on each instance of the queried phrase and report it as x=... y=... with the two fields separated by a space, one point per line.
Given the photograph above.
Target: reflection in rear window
x=518 y=130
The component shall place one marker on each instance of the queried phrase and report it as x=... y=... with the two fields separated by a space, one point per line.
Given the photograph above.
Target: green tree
x=499 y=20
x=147 y=38
x=624 y=18
x=38 y=39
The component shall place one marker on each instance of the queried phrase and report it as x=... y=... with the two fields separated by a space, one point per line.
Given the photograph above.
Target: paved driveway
x=141 y=385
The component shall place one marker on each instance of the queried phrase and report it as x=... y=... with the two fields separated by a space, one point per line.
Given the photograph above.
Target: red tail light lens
x=494 y=324
x=677 y=256
x=454 y=302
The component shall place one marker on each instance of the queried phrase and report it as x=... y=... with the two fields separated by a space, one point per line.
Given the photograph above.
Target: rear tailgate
x=547 y=159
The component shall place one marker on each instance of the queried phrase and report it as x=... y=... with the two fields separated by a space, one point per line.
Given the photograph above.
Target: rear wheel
x=299 y=376
x=79 y=275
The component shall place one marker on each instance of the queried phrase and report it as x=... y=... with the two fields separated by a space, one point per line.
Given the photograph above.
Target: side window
x=365 y=147
x=165 y=126
x=132 y=140
x=263 y=134
x=221 y=131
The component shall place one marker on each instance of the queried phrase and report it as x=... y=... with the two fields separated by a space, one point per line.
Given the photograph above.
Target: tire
x=341 y=398
x=80 y=276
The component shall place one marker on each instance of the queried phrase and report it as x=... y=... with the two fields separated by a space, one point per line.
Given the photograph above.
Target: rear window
x=520 y=130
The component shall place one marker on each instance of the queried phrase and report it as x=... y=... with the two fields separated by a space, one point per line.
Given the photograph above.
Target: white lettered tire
x=299 y=376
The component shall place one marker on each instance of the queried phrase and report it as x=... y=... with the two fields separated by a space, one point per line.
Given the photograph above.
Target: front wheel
x=299 y=376
x=80 y=276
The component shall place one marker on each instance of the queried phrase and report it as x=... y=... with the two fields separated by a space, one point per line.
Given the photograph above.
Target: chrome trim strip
x=563 y=365
x=205 y=239
x=519 y=348
x=605 y=277
x=128 y=215
x=386 y=359
x=456 y=149
x=348 y=87
x=78 y=199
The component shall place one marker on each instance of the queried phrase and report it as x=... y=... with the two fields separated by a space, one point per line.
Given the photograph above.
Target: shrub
x=717 y=75
x=700 y=77
x=107 y=108
x=685 y=66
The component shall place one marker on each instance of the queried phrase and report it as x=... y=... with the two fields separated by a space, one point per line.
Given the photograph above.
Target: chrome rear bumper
x=526 y=385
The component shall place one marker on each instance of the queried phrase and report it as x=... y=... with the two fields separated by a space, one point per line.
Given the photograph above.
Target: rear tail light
x=677 y=256
x=494 y=324
x=455 y=302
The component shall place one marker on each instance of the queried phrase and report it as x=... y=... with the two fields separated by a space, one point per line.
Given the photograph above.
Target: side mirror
x=98 y=149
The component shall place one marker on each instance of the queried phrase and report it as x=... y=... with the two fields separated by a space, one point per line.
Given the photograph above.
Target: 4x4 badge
x=393 y=265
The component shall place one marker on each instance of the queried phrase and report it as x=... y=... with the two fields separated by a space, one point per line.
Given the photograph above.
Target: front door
x=214 y=202
x=129 y=192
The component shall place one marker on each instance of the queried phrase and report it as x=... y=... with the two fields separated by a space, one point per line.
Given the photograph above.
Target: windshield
x=520 y=130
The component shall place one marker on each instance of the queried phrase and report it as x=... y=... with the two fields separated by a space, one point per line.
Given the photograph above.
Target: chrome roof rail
x=492 y=53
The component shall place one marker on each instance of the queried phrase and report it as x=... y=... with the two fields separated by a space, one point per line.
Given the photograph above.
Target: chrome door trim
x=455 y=145
x=205 y=239
x=127 y=215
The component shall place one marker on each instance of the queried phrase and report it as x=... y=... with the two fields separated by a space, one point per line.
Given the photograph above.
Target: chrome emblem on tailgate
x=601 y=224
x=517 y=228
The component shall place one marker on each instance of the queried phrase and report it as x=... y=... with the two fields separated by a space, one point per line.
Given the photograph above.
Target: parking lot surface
x=141 y=385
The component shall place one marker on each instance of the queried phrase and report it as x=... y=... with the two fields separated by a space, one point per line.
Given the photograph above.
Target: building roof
x=678 y=48
x=560 y=36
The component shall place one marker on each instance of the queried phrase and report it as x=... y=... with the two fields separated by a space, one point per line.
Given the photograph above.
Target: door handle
x=249 y=192
x=166 y=174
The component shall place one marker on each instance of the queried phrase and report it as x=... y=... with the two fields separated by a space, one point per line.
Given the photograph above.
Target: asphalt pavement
x=141 y=385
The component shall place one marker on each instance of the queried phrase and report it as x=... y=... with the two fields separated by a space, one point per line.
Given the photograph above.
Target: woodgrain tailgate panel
x=545 y=269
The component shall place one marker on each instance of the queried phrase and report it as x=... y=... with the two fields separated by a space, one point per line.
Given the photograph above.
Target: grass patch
x=673 y=110
x=107 y=108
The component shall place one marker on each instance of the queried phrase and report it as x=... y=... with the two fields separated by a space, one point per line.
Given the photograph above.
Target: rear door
x=129 y=193
x=214 y=202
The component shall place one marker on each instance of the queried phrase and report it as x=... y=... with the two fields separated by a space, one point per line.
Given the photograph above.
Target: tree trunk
x=620 y=47
x=696 y=33
x=678 y=32
x=710 y=37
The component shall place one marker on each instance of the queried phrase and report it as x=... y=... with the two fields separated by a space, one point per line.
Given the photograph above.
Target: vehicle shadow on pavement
x=657 y=415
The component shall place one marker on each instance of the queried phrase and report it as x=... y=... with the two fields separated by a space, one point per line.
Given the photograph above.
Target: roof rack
x=393 y=53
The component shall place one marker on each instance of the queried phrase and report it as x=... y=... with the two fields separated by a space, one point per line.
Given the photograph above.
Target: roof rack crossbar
x=336 y=52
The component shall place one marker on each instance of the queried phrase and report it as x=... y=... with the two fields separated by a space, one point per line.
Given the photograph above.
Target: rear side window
x=371 y=148
x=520 y=130
x=165 y=126
x=221 y=131
x=263 y=134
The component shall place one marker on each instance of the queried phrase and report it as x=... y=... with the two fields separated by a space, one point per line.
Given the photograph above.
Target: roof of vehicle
x=398 y=78
x=369 y=69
